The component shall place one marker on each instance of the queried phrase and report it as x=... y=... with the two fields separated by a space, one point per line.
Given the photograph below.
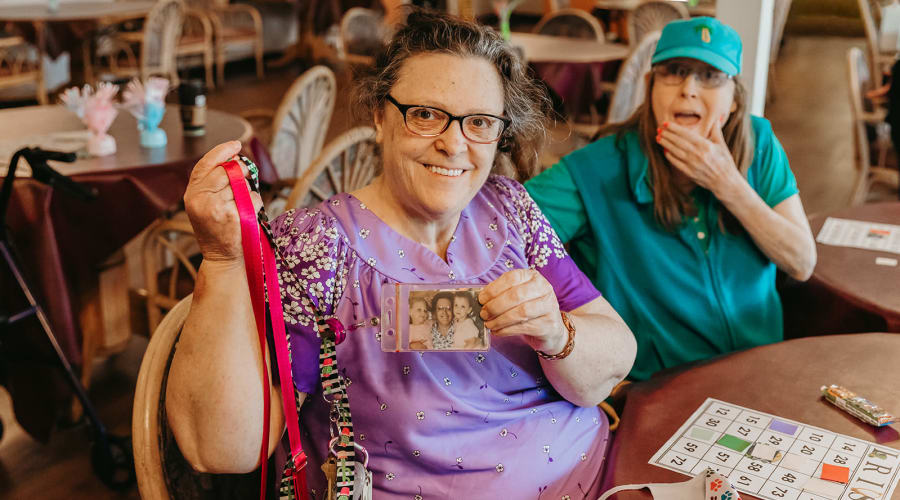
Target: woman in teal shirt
x=681 y=214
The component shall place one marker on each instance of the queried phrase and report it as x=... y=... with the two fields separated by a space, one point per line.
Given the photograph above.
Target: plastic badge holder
x=418 y=318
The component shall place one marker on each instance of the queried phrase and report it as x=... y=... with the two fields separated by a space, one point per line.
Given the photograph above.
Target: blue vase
x=151 y=135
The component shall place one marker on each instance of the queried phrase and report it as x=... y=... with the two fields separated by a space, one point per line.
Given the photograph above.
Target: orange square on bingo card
x=835 y=473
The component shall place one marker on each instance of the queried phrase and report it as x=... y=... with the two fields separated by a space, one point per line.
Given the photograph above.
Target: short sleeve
x=771 y=175
x=544 y=251
x=311 y=263
x=555 y=192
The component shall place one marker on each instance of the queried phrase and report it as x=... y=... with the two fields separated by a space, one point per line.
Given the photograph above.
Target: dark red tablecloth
x=60 y=242
x=579 y=85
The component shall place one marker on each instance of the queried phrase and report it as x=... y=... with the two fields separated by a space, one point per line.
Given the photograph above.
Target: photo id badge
x=432 y=318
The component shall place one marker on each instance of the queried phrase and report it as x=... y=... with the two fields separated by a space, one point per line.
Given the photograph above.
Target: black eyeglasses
x=432 y=122
x=675 y=72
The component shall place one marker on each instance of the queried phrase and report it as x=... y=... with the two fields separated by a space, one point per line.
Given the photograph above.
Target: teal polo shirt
x=687 y=294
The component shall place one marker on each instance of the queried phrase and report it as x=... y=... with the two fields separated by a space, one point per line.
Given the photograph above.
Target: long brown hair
x=525 y=103
x=671 y=204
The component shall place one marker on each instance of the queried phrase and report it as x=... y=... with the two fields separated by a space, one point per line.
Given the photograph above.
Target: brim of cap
x=705 y=55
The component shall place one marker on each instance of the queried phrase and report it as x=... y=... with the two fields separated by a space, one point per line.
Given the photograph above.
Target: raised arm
x=214 y=397
x=522 y=302
x=782 y=232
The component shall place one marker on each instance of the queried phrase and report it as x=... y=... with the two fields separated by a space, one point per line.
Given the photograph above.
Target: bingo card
x=779 y=459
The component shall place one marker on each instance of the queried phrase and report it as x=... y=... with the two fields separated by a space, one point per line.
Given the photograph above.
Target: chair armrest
x=258 y=113
x=228 y=14
x=874 y=117
x=11 y=41
x=200 y=17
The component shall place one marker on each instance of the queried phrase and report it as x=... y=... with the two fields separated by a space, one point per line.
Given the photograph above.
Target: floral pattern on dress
x=335 y=259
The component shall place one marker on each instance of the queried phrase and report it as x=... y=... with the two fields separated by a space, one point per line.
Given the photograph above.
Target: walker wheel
x=113 y=462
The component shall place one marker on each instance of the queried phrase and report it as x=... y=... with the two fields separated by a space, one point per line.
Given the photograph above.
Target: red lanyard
x=262 y=276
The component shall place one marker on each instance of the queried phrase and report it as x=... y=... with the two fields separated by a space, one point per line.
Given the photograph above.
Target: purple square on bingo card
x=783 y=427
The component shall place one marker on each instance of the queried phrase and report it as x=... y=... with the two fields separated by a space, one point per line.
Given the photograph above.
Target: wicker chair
x=631 y=84
x=779 y=20
x=162 y=471
x=575 y=23
x=570 y=23
x=197 y=40
x=297 y=129
x=363 y=34
x=116 y=58
x=18 y=68
x=301 y=122
x=347 y=163
x=653 y=15
x=870 y=11
x=236 y=25
x=169 y=259
x=865 y=114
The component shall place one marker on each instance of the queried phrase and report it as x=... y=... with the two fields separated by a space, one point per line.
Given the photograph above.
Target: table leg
x=300 y=49
x=41 y=90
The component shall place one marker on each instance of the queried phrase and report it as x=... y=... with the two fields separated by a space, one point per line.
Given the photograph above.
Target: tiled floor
x=810 y=115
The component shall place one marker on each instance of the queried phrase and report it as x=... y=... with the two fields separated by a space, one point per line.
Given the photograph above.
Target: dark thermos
x=192 y=97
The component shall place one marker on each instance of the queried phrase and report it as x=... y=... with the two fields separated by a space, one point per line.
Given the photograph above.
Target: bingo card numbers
x=779 y=459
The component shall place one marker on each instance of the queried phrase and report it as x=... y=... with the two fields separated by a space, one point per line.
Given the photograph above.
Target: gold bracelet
x=570 y=344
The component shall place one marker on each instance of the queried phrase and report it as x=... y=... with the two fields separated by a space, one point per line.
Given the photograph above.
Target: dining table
x=851 y=289
x=617 y=12
x=579 y=71
x=61 y=241
x=58 y=30
x=538 y=48
x=783 y=380
x=700 y=9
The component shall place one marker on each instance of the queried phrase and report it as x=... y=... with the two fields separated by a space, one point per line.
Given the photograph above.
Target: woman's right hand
x=210 y=206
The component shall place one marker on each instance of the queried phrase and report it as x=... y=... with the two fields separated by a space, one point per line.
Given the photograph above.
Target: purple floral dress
x=438 y=425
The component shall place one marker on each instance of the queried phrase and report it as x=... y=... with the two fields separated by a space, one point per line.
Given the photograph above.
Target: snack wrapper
x=857 y=406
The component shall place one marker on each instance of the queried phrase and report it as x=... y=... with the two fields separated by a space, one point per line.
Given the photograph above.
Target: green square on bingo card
x=734 y=443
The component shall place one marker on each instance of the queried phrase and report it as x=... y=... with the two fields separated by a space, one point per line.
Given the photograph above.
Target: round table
x=91 y=14
x=76 y=11
x=61 y=241
x=557 y=49
x=781 y=379
x=701 y=9
x=55 y=127
x=852 y=275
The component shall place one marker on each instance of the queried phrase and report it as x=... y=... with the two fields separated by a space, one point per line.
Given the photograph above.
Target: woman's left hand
x=705 y=160
x=522 y=302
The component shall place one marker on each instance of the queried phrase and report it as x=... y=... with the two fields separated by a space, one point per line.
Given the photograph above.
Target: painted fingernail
x=665 y=124
x=658 y=130
x=658 y=138
x=665 y=151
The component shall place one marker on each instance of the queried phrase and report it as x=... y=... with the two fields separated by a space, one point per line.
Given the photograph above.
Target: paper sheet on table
x=860 y=234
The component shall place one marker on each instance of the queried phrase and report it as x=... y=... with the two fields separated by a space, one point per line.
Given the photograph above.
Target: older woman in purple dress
x=451 y=104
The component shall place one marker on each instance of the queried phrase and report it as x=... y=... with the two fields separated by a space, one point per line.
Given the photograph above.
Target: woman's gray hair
x=525 y=103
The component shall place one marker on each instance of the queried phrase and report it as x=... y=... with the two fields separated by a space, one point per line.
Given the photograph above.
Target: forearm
x=787 y=243
x=214 y=397
x=604 y=353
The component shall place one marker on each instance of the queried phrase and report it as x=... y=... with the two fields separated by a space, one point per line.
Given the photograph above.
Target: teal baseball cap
x=703 y=38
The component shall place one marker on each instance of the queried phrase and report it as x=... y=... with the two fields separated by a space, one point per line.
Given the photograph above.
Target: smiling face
x=436 y=177
x=442 y=311
x=418 y=312
x=461 y=308
x=690 y=104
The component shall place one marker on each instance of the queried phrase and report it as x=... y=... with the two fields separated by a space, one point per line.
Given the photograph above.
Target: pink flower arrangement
x=97 y=110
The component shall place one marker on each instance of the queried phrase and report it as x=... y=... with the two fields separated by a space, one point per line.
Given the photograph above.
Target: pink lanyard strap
x=259 y=261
